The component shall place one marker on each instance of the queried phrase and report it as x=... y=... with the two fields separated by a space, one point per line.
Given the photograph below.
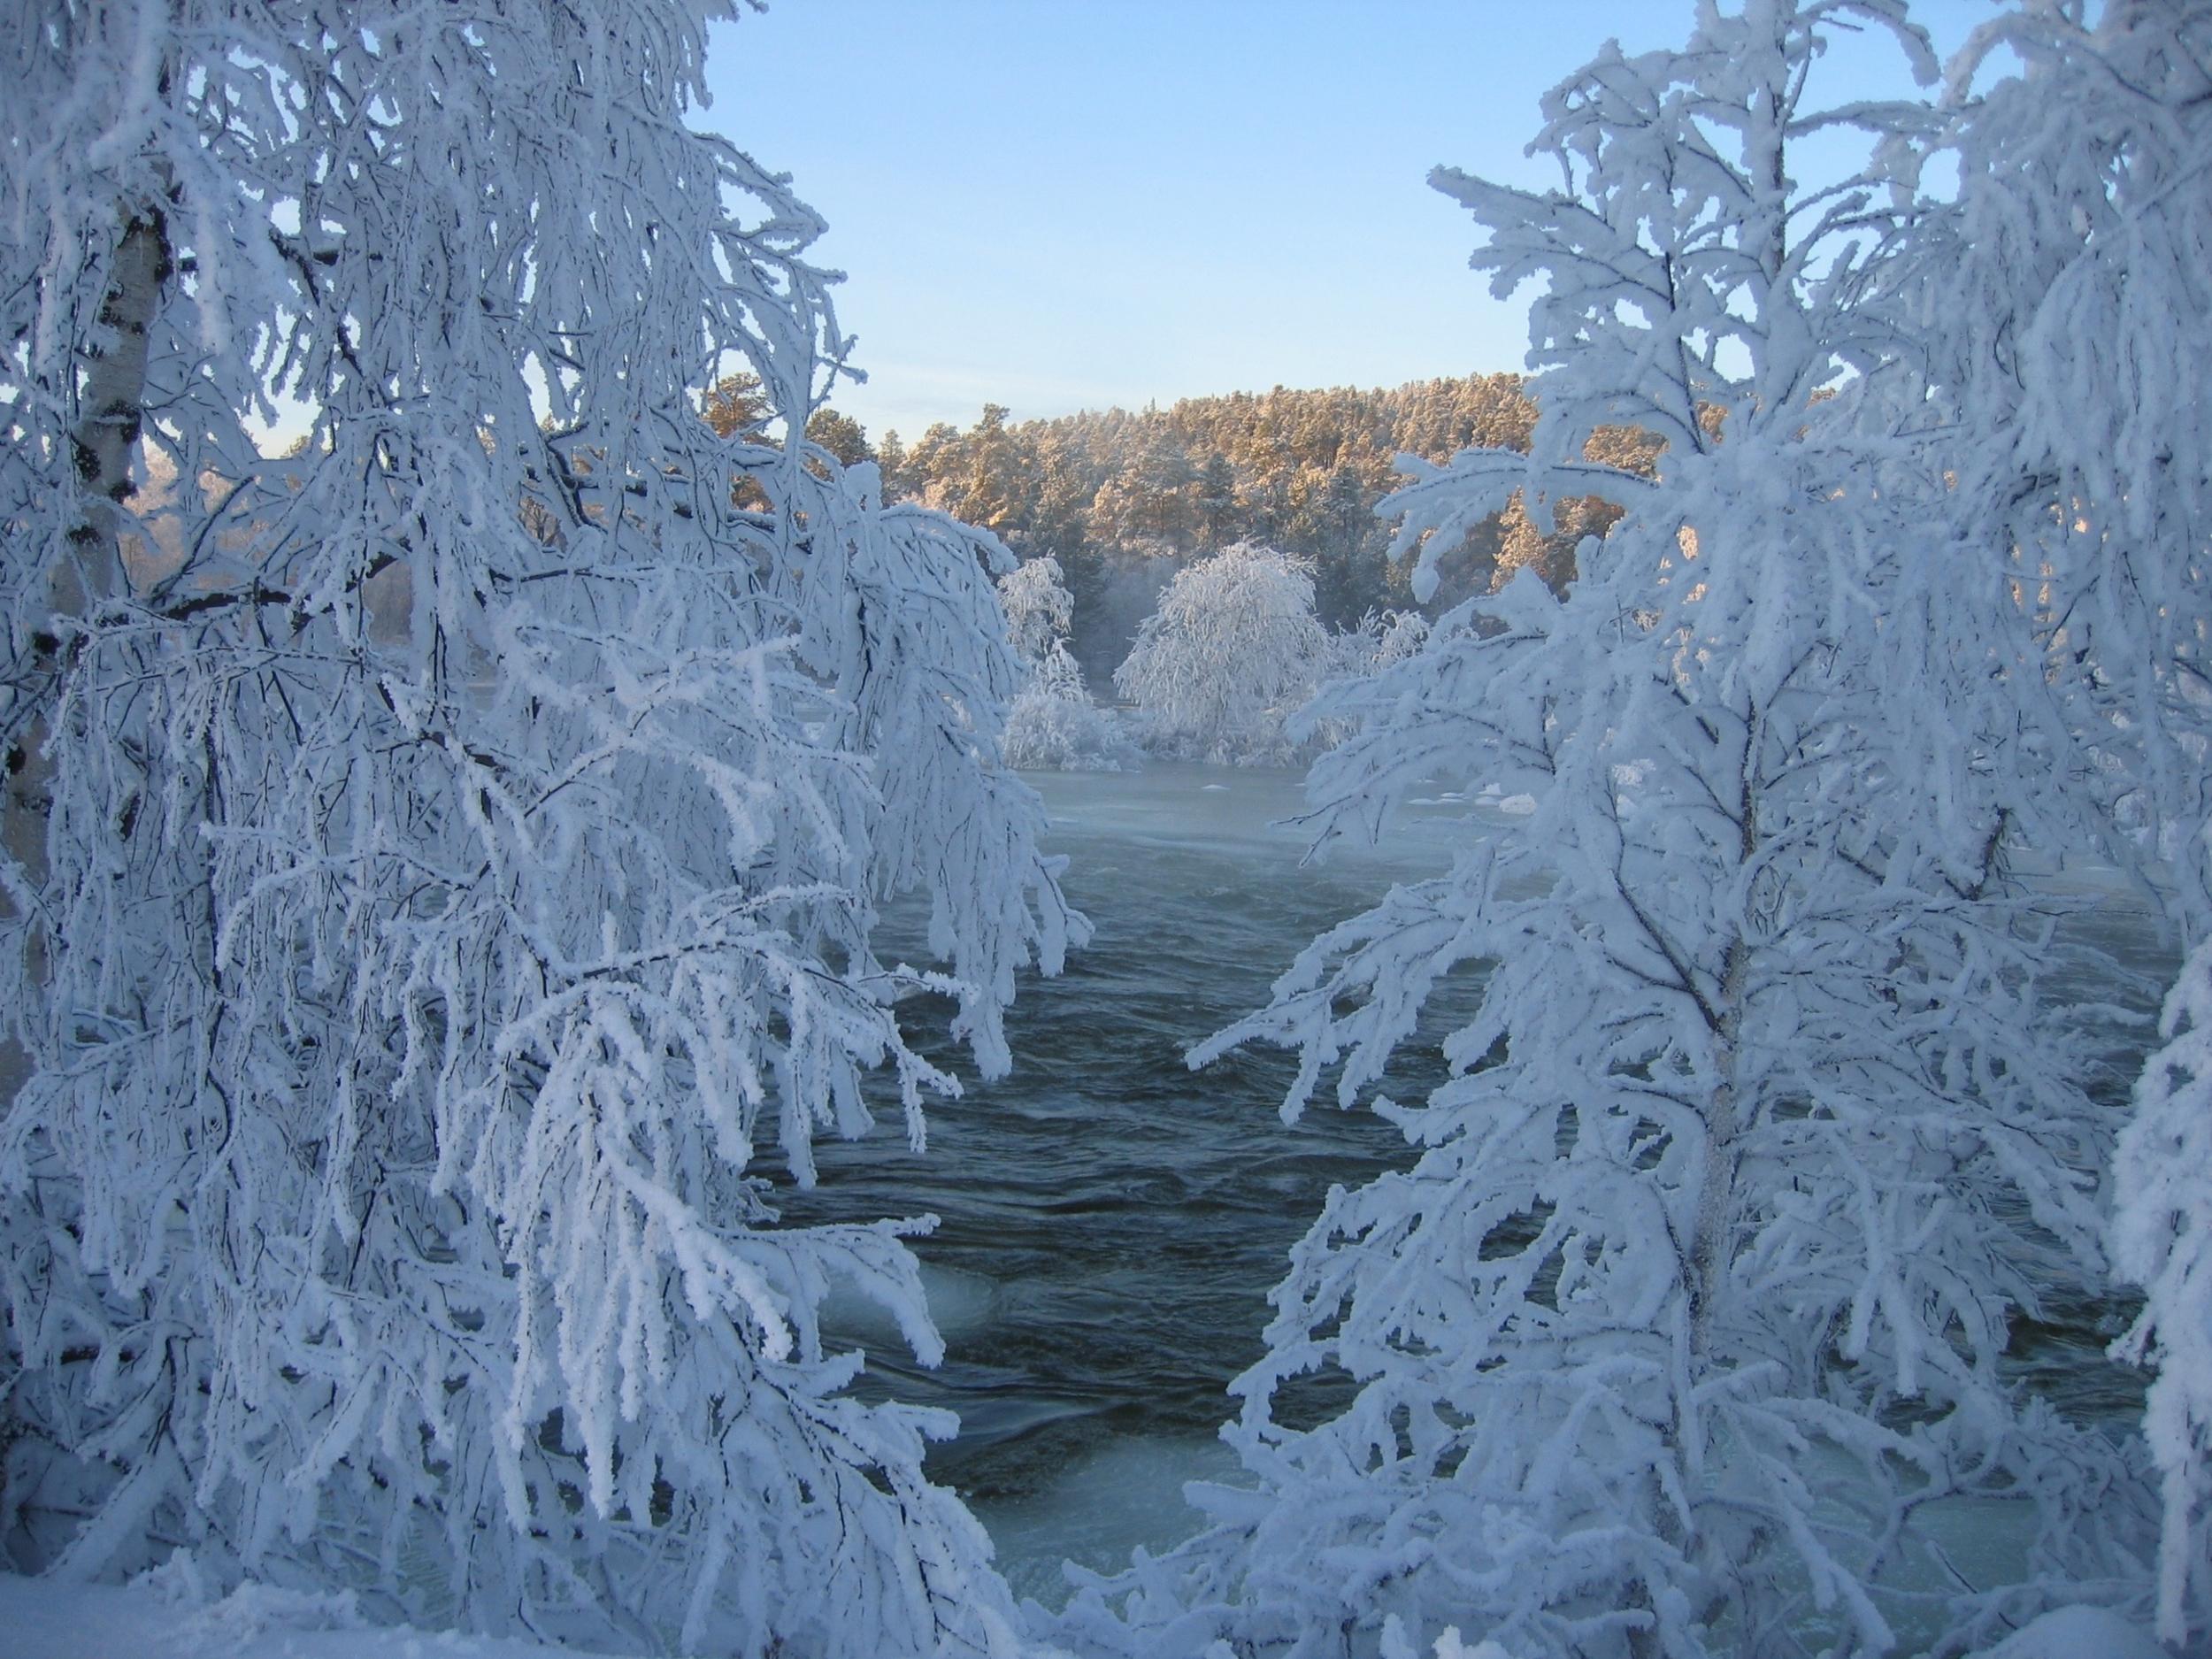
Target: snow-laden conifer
x=442 y=862
x=1684 y=1325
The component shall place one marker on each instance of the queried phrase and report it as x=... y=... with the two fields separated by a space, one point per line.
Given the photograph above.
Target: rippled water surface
x=1111 y=1221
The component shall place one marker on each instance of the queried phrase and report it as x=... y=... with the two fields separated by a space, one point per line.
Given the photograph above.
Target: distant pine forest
x=1124 y=500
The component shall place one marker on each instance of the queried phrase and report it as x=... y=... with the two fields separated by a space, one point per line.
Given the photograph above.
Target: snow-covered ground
x=159 y=1617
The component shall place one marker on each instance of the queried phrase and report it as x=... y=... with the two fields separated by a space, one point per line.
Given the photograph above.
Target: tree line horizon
x=1124 y=498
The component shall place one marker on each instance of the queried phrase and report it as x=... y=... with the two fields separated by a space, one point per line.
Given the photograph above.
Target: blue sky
x=1059 y=205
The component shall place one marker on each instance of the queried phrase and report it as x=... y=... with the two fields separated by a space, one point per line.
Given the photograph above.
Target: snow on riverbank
x=151 y=1619
x=158 y=1617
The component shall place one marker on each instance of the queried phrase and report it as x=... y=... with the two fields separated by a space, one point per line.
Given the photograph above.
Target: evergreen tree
x=1215 y=501
x=1106 y=493
x=736 y=406
x=993 y=482
x=845 y=438
x=891 y=463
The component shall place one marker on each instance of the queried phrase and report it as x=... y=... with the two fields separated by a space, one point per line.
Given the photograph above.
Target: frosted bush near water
x=1232 y=652
x=1053 y=723
x=1223 y=668
x=1059 y=728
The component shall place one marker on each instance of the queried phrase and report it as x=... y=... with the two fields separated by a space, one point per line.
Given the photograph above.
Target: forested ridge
x=1123 y=499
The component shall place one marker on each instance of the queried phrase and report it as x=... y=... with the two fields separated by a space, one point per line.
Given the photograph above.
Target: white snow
x=2079 y=1633
x=146 y=1620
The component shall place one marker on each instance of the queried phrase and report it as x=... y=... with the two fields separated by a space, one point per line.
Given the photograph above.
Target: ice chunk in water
x=960 y=1303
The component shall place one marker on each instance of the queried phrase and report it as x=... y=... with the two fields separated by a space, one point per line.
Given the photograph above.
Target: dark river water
x=1111 y=1221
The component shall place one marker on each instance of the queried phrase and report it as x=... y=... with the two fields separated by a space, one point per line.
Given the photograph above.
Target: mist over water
x=1111 y=1221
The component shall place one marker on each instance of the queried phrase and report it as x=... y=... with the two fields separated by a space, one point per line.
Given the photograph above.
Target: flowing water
x=1111 y=1221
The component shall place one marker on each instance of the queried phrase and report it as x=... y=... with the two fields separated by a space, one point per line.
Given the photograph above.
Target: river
x=1111 y=1221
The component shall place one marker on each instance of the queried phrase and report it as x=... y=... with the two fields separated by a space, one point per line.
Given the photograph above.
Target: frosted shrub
x=1053 y=723
x=1379 y=639
x=428 y=903
x=1232 y=652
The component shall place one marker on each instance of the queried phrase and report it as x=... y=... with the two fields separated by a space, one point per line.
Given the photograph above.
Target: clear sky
x=1059 y=204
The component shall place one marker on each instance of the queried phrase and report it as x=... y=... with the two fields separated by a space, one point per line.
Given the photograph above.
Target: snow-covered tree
x=1232 y=652
x=427 y=893
x=2062 y=300
x=2162 y=1239
x=1687 y=1317
x=1040 y=610
x=1053 y=723
x=1376 y=640
x=2066 y=294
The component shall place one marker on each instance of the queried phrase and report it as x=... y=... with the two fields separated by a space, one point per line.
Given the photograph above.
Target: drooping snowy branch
x=2065 y=298
x=2162 y=1239
x=442 y=859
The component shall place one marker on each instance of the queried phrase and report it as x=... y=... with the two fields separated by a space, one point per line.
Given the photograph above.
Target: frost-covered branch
x=442 y=859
